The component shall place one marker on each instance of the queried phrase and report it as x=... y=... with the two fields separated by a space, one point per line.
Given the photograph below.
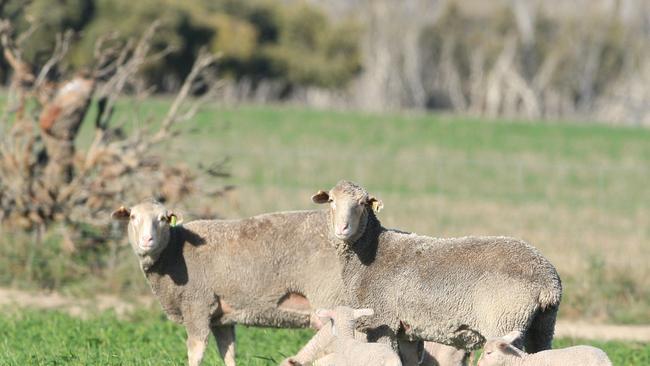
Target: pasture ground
x=580 y=193
x=577 y=192
x=30 y=337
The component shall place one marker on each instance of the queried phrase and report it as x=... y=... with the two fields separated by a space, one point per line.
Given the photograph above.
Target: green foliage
x=311 y=51
x=291 y=42
x=52 y=19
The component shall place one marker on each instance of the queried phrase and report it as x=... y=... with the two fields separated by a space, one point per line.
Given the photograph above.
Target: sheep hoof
x=290 y=361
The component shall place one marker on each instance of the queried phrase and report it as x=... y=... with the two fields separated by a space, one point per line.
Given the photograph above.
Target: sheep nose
x=344 y=226
x=147 y=239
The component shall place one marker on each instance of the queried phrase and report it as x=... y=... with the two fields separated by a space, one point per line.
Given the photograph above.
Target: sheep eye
x=161 y=218
x=132 y=217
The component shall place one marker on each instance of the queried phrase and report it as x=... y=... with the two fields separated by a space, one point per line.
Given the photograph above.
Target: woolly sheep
x=456 y=291
x=211 y=274
x=347 y=350
x=501 y=352
x=437 y=354
x=433 y=354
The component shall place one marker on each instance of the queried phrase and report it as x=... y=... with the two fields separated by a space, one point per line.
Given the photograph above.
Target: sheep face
x=500 y=351
x=348 y=204
x=149 y=225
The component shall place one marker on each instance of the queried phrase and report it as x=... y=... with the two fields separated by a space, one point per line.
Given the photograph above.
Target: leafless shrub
x=45 y=178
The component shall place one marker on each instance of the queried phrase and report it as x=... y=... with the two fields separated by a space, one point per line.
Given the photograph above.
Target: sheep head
x=500 y=351
x=349 y=203
x=149 y=224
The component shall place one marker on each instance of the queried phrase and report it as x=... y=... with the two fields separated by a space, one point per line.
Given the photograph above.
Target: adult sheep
x=267 y=270
x=211 y=274
x=456 y=291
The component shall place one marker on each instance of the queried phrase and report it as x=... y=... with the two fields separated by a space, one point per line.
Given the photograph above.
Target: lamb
x=437 y=354
x=209 y=275
x=433 y=354
x=501 y=352
x=348 y=350
x=455 y=291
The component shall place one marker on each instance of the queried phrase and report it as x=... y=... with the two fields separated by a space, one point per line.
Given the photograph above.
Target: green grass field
x=30 y=337
x=578 y=192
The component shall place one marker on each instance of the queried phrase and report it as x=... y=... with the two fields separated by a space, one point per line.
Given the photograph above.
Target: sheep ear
x=358 y=313
x=502 y=345
x=512 y=336
x=121 y=213
x=324 y=314
x=173 y=218
x=320 y=197
x=507 y=348
x=375 y=203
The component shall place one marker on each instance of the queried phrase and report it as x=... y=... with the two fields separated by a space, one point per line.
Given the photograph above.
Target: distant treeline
x=585 y=59
x=295 y=44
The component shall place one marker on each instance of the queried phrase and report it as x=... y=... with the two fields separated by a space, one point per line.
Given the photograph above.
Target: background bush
x=296 y=44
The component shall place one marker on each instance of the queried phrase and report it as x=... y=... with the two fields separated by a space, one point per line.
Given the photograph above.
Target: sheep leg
x=317 y=346
x=410 y=352
x=225 y=336
x=196 y=347
x=325 y=361
x=540 y=334
x=198 y=331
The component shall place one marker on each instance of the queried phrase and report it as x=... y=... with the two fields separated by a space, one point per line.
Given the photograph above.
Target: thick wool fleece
x=576 y=355
x=349 y=351
x=456 y=291
x=241 y=271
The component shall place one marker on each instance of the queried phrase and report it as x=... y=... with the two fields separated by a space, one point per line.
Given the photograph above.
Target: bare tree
x=45 y=178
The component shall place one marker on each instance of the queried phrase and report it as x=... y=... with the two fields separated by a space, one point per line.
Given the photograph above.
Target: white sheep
x=209 y=275
x=268 y=270
x=501 y=352
x=347 y=349
x=456 y=291
x=433 y=354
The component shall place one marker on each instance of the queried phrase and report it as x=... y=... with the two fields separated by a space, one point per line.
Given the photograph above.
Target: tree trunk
x=59 y=122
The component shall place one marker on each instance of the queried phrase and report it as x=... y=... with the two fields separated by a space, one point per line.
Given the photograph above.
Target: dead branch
x=202 y=62
x=23 y=75
x=60 y=51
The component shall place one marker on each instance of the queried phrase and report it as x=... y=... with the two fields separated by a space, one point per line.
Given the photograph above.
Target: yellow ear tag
x=172 y=222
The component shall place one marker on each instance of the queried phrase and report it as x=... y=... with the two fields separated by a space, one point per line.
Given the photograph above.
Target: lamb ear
x=375 y=203
x=121 y=213
x=320 y=197
x=502 y=346
x=358 y=313
x=507 y=348
x=512 y=336
x=324 y=313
